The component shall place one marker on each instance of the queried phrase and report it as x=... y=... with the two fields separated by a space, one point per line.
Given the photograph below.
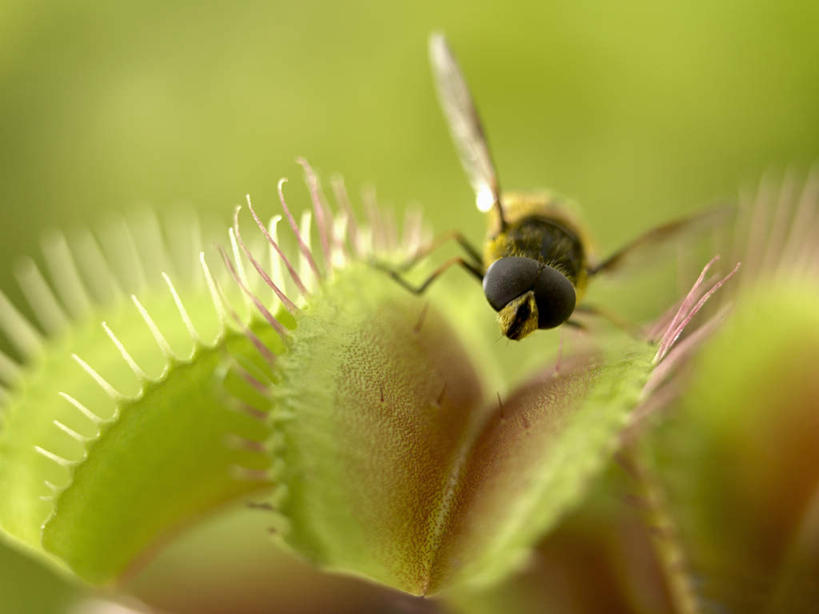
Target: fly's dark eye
x=555 y=298
x=508 y=278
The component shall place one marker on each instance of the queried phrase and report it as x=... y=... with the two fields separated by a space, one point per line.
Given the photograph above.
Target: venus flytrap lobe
x=113 y=433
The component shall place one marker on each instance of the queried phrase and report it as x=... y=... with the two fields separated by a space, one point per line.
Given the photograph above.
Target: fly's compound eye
x=555 y=297
x=508 y=278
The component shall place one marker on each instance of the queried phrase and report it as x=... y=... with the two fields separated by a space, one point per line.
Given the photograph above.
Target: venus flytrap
x=113 y=432
x=370 y=422
x=399 y=465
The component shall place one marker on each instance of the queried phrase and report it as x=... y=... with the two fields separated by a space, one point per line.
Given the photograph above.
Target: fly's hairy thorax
x=540 y=229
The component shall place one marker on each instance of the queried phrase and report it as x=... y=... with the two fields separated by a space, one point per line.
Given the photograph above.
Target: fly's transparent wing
x=673 y=231
x=464 y=124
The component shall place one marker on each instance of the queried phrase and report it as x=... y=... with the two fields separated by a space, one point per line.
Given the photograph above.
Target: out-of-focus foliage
x=222 y=566
x=27 y=586
x=740 y=456
x=599 y=559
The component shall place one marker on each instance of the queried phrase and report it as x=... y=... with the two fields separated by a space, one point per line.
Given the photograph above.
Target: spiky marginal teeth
x=137 y=270
x=246 y=474
x=82 y=409
x=319 y=210
x=779 y=224
x=163 y=344
x=273 y=242
x=276 y=272
x=340 y=192
x=246 y=291
x=72 y=433
x=687 y=312
x=40 y=297
x=257 y=343
x=684 y=305
x=10 y=371
x=25 y=338
x=305 y=251
x=366 y=237
x=374 y=225
x=261 y=375
x=413 y=231
x=239 y=270
x=804 y=220
x=56 y=458
x=237 y=442
x=339 y=255
x=683 y=349
x=247 y=409
x=183 y=313
x=98 y=267
x=79 y=273
x=657 y=392
x=67 y=279
x=304 y=264
x=390 y=230
x=112 y=392
x=251 y=379
x=215 y=294
x=276 y=287
x=789 y=218
x=153 y=243
x=132 y=364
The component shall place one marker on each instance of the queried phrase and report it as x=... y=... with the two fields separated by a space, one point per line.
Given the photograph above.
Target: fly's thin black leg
x=420 y=289
x=437 y=242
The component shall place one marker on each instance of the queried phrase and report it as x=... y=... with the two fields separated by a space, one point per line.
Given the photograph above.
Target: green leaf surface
x=383 y=399
x=166 y=460
x=534 y=459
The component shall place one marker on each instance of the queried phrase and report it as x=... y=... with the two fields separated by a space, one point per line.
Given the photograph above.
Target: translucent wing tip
x=437 y=44
x=464 y=123
x=441 y=57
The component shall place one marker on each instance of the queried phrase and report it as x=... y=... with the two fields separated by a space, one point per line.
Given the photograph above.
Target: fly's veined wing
x=464 y=123
x=675 y=230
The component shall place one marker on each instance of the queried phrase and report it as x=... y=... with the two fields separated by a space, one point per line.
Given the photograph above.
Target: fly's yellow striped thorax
x=541 y=227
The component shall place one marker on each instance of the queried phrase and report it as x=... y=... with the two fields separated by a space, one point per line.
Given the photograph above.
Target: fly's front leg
x=420 y=289
x=453 y=235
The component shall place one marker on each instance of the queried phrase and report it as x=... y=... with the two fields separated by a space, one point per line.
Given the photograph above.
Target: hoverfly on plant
x=535 y=264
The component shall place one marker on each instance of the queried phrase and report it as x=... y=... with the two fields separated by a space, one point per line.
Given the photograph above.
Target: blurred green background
x=639 y=110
